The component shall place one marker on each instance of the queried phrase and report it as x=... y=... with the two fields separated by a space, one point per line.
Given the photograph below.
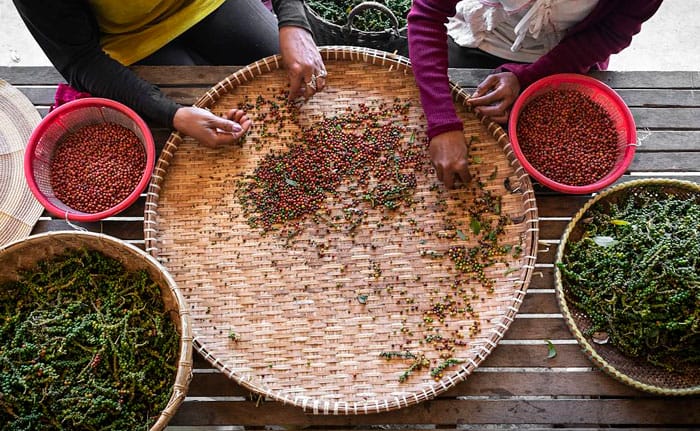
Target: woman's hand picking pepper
x=449 y=155
x=495 y=95
x=210 y=130
x=305 y=68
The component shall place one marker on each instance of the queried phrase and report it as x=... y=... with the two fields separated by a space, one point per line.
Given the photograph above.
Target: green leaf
x=291 y=182
x=362 y=299
x=551 y=351
x=476 y=160
x=412 y=138
x=475 y=226
x=461 y=235
x=510 y=271
x=604 y=241
x=494 y=174
x=619 y=222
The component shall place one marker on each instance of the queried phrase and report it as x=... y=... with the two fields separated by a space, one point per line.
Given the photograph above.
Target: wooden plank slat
x=684 y=140
x=538 y=329
x=649 y=79
x=542 y=278
x=660 y=97
x=208 y=75
x=30 y=75
x=667 y=162
x=683 y=411
x=185 y=76
x=666 y=118
x=505 y=355
x=617 y=79
x=132 y=230
x=480 y=383
x=539 y=303
x=471 y=427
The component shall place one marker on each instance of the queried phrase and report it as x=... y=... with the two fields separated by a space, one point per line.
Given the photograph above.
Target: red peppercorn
x=568 y=137
x=96 y=167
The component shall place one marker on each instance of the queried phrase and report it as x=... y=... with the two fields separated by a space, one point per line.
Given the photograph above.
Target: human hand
x=449 y=152
x=495 y=95
x=305 y=68
x=210 y=130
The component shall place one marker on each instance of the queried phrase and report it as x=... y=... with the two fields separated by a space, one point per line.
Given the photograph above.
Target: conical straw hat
x=19 y=210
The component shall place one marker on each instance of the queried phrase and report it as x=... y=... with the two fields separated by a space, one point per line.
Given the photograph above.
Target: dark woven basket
x=326 y=33
x=635 y=372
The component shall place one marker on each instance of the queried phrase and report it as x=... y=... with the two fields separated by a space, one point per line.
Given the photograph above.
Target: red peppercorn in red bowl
x=89 y=159
x=572 y=133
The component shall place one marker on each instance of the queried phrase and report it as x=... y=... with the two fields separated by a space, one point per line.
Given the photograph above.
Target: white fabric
x=518 y=30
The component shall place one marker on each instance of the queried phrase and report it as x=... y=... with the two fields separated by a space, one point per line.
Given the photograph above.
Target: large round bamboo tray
x=635 y=372
x=305 y=319
x=28 y=252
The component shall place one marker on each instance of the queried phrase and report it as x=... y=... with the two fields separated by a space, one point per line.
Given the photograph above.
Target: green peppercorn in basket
x=105 y=339
x=628 y=283
x=325 y=264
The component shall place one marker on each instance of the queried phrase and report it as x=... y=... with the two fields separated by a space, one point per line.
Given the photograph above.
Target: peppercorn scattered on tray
x=324 y=263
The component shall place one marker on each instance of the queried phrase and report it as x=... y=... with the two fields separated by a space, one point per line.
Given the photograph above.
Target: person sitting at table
x=92 y=44
x=524 y=40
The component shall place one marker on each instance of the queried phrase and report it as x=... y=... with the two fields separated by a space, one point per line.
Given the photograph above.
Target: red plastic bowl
x=67 y=119
x=601 y=94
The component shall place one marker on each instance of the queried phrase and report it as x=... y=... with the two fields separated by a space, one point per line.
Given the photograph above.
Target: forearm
x=103 y=77
x=69 y=35
x=427 y=38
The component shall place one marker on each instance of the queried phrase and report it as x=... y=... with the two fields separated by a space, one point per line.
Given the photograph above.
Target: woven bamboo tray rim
x=334 y=403
x=591 y=351
x=29 y=251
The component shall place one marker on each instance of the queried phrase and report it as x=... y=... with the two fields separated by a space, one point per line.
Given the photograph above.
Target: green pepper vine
x=636 y=274
x=84 y=345
x=337 y=11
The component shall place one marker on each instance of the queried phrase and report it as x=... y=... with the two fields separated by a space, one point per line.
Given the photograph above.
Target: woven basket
x=635 y=372
x=392 y=39
x=28 y=252
x=304 y=321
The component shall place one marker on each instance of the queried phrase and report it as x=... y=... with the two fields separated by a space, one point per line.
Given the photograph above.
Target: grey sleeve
x=291 y=13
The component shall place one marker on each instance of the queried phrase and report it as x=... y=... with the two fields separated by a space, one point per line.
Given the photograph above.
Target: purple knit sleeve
x=427 y=46
x=591 y=42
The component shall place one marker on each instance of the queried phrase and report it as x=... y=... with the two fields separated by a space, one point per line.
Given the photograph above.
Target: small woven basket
x=392 y=39
x=635 y=372
x=28 y=252
x=304 y=319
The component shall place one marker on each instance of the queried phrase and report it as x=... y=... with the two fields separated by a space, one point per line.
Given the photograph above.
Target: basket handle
x=371 y=5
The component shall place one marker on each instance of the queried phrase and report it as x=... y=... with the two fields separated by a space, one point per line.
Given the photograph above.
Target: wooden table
x=517 y=387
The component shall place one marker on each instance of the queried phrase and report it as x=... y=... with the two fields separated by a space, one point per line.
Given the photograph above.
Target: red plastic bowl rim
x=585 y=80
x=71 y=106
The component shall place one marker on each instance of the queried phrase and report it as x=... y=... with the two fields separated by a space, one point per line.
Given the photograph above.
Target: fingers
x=494 y=96
x=498 y=113
x=463 y=174
x=296 y=81
x=235 y=123
x=240 y=117
x=485 y=87
x=439 y=173
x=447 y=175
x=316 y=82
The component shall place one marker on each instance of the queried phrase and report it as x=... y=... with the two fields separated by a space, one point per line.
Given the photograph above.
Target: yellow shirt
x=134 y=29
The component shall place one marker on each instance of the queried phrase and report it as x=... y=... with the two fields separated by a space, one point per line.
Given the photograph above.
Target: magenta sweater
x=607 y=30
